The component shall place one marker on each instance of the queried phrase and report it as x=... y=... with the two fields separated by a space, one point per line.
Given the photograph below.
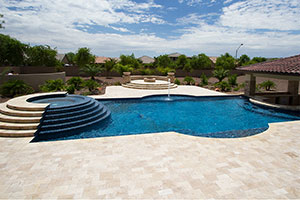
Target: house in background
x=146 y=59
x=213 y=60
x=63 y=58
x=101 y=59
x=174 y=56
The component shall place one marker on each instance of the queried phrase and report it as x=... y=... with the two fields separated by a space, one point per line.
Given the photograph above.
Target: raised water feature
x=68 y=113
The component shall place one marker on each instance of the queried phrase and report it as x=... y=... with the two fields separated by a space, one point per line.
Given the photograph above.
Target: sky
x=268 y=28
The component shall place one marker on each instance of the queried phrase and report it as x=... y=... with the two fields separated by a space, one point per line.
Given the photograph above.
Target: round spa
x=68 y=113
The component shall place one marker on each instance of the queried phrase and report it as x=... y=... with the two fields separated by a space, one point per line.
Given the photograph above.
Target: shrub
x=53 y=85
x=76 y=82
x=117 y=83
x=220 y=74
x=223 y=85
x=239 y=87
x=204 y=79
x=122 y=68
x=232 y=80
x=91 y=85
x=71 y=89
x=14 y=88
x=59 y=68
x=189 y=80
x=267 y=85
x=177 y=81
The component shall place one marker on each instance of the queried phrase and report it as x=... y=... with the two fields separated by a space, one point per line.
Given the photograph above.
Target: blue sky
x=269 y=28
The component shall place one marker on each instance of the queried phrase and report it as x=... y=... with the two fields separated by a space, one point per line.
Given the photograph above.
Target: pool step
x=18 y=126
x=16 y=133
x=21 y=118
x=149 y=86
x=58 y=121
x=18 y=123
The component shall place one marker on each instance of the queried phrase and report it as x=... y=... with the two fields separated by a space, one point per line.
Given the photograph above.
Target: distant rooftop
x=285 y=66
x=101 y=59
x=146 y=59
x=175 y=54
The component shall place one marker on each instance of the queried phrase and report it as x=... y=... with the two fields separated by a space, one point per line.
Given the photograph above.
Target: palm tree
x=220 y=74
x=109 y=65
x=91 y=70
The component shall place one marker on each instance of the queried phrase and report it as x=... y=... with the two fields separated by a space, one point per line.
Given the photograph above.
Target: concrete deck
x=161 y=165
x=121 y=92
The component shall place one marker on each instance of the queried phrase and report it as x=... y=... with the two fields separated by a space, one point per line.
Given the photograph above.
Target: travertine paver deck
x=122 y=92
x=161 y=165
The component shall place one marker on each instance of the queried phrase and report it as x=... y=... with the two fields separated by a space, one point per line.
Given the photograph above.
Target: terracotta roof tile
x=101 y=59
x=290 y=65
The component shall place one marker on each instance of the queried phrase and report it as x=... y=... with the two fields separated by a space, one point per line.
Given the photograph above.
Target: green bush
x=232 y=80
x=117 y=83
x=177 y=81
x=267 y=85
x=70 y=89
x=91 y=85
x=164 y=71
x=53 y=85
x=239 y=87
x=220 y=74
x=14 y=88
x=76 y=82
x=189 y=80
x=223 y=85
x=204 y=80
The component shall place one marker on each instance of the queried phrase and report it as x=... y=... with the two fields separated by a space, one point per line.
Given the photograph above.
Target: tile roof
x=213 y=59
x=146 y=59
x=175 y=55
x=101 y=59
x=288 y=66
x=60 y=56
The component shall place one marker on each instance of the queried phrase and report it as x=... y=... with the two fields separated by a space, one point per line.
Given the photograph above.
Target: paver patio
x=160 y=165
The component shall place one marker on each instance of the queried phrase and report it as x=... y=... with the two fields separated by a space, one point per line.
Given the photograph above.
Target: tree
x=181 y=62
x=91 y=70
x=109 y=65
x=122 y=68
x=164 y=61
x=267 y=85
x=225 y=62
x=243 y=59
x=220 y=73
x=255 y=60
x=71 y=57
x=42 y=56
x=84 y=57
x=1 y=22
x=201 y=62
x=11 y=51
x=129 y=60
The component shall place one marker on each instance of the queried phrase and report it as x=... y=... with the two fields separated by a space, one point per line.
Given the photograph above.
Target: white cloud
x=263 y=14
x=56 y=23
x=227 y=1
x=195 y=18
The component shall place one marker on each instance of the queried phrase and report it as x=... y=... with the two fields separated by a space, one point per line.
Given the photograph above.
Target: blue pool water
x=219 y=117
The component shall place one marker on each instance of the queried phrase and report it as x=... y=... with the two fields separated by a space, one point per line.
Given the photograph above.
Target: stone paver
x=122 y=92
x=159 y=165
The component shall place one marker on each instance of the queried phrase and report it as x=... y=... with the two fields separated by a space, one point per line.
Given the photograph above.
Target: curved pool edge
x=23 y=102
x=276 y=106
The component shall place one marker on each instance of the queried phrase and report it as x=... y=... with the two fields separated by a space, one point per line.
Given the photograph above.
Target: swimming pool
x=218 y=117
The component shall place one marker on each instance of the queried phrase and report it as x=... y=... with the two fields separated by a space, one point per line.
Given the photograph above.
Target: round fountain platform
x=157 y=85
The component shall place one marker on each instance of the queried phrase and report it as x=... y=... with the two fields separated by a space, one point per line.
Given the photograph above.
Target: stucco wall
x=35 y=80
